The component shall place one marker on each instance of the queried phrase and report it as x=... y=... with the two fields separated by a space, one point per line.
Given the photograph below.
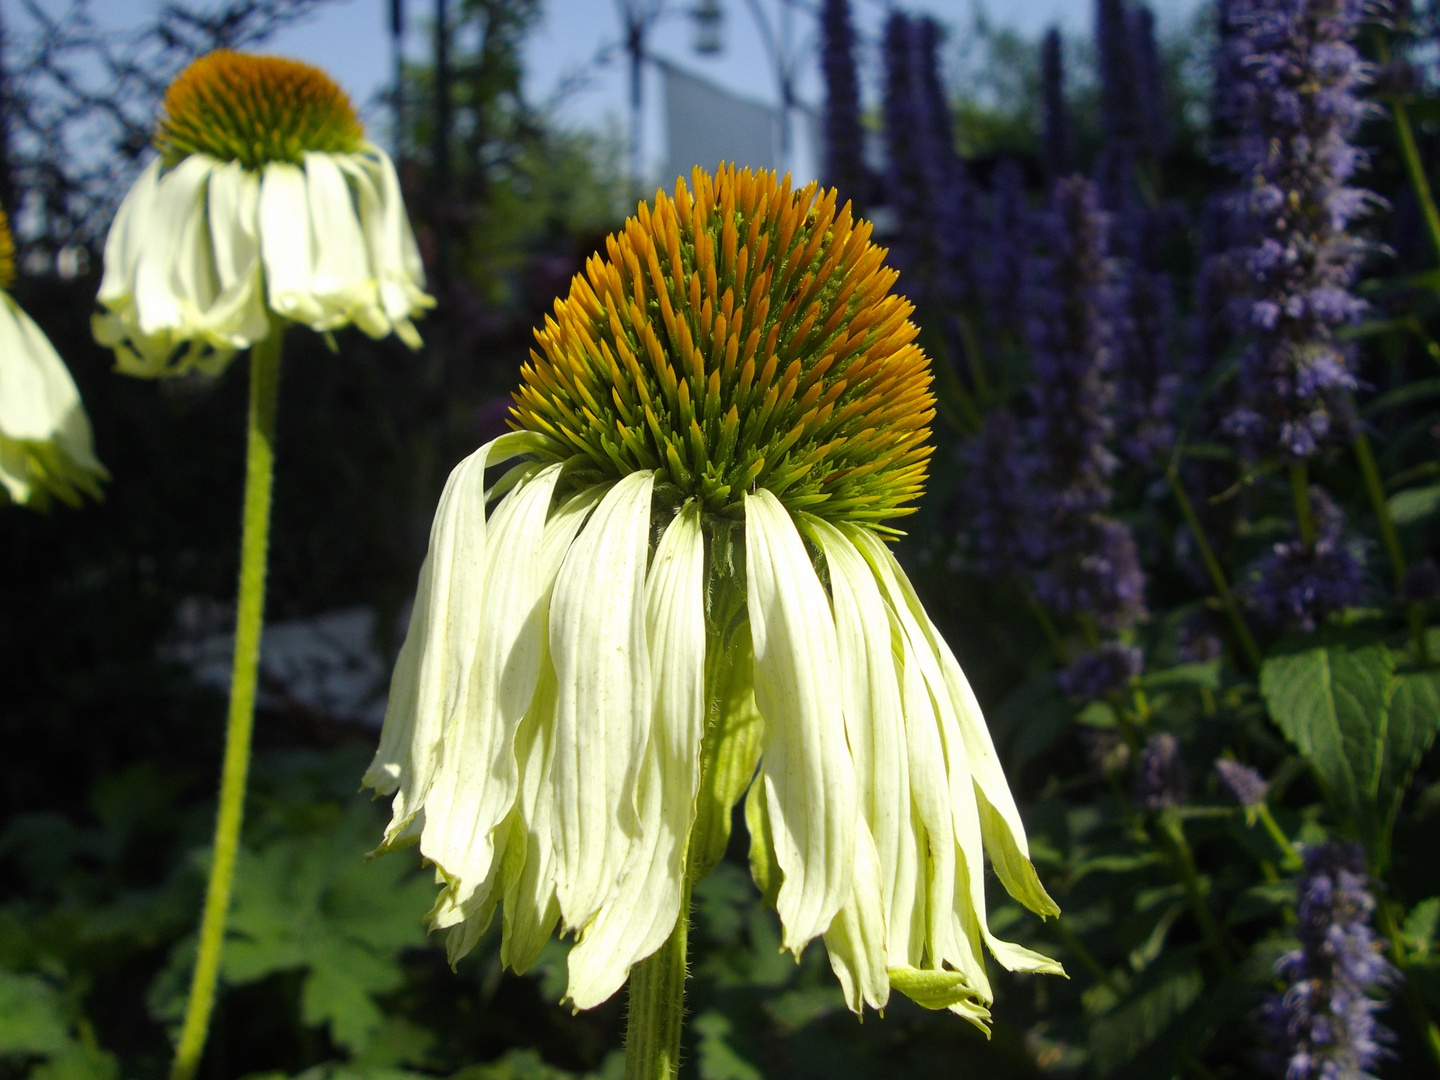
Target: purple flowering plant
x=1196 y=509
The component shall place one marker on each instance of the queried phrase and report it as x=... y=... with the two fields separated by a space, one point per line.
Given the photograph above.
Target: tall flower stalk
x=265 y=206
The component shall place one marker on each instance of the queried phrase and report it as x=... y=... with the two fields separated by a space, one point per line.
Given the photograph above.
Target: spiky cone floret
x=684 y=552
x=265 y=198
x=46 y=447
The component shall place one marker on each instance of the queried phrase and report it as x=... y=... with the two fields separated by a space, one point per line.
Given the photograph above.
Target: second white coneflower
x=265 y=207
x=265 y=201
x=680 y=582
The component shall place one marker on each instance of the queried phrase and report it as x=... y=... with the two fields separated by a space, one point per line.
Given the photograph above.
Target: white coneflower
x=690 y=530
x=265 y=207
x=265 y=196
x=46 y=449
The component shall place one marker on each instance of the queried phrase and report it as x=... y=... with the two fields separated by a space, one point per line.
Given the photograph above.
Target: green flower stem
x=249 y=617
x=656 y=1016
x=1184 y=861
x=1217 y=573
x=1290 y=857
x=1416 y=171
x=1304 y=508
x=1365 y=454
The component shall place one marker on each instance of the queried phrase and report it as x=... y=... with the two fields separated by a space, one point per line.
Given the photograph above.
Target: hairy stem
x=656 y=1015
x=1365 y=454
x=249 y=617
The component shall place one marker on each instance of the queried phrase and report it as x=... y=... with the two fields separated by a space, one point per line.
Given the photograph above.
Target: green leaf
x=794 y=1009
x=1120 y=1035
x=1411 y=392
x=1416 y=504
x=1418 y=931
x=79 y=1062
x=1362 y=726
x=32 y=1016
x=717 y=1060
x=1204 y=675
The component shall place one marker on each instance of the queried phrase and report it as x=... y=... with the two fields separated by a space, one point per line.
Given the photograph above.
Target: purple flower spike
x=1246 y=785
x=1323 y=1026
x=1090 y=564
x=1295 y=587
x=1098 y=673
x=996 y=498
x=1289 y=113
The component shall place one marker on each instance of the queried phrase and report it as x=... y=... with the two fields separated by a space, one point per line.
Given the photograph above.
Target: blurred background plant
x=1182 y=532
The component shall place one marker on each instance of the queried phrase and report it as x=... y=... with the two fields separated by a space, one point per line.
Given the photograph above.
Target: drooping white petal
x=433 y=673
x=237 y=316
x=948 y=942
x=602 y=715
x=923 y=646
x=856 y=939
x=806 y=768
x=476 y=782
x=394 y=257
x=287 y=243
x=531 y=910
x=44 y=432
x=342 y=283
x=870 y=696
x=124 y=241
x=641 y=915
x=174 y=276
x=1004 y=832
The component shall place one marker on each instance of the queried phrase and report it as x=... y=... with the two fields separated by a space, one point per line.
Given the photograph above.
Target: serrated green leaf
x=1416 y=504
x=311 y=902
x=1362 y=726
x=32 y=1016
x=1123 y=1033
